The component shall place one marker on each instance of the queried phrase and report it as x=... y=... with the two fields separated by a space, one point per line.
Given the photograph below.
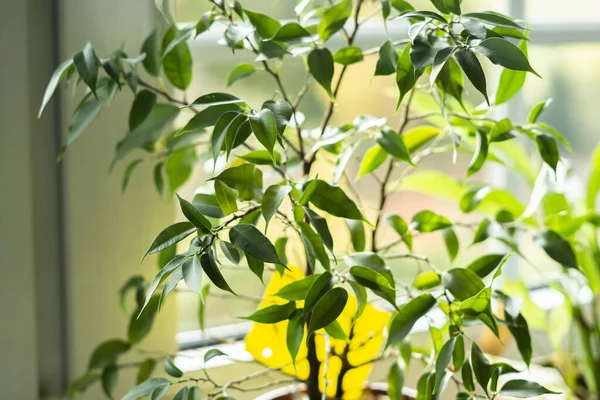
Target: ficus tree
x=442 y=57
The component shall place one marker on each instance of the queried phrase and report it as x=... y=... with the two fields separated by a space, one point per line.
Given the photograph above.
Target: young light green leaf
x=334 y=19
x=86 y=64
x=593 y=185
x=537 y=110
x=388 y=59
x=480 y=154
x=297 y=290
x=404 y=320
x=557 y=247
x=209 y=265
x=392 y=142
x=451 y=241
x=396 y=380
x=348 y=55
x=272 y=199
x=240 y=72
x=320 y=66
x=328 y=309
x=252 y=242
x=427 y=221
x=401 y=228
x=502 y=52
x=333 y=200
x=427 y=280
x=373 y=158
x=405 y=74
x=472 y=68
x=170 y=236
x=192 y=274
x=194 y=216
x=171 y=369
x=273 y=314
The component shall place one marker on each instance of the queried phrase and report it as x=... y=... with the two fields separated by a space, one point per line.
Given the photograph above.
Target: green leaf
x=86 y=64
x=182 y=394
x=401 y=228
x=129 y=173
x=421 y=15
x=481 y=367
x=194 y=393
x=257 y=267
x=451 y=241
x=272 y=199
x=192 y=274
x=319 y=287
x=537 y=110
x=480 y=154
x=472 y=68
x=361 y=298
x=58 y=75
x=556 y=247
x=327 y=309
x=404 y=320
x=177 y=64
x=467 y=376
x=297 y=290
x=406 y=76
x=282 y=111
x=458 y=354
x=265 y=25
x=171 y=369
x=480 y=303
x=493 y=18
x=482 y=232
x=388 y=59
x=145 y=370
x=209 y=265
x=308 y=191
x=373 y=280
x=373 y=261
x=440 y=59
x=216 y=99
x=178 y=168
x=427 y=280
x=453 y=6
x=261 y=157
x=246 y=179
x=316 y=244
x=292 y=32
x=485 y=265
x=295 y=334
x=252 y=242
x=349 y=55
x=427 y=221
x=320 y=66
x=208 y=205
x=320 y=225
x=395 y=381
x=523 y=389
x=110 y=376
x=264 y=127
x=146 y=388
x=212 y=353
x=141 y=108
x=511 y=81
x=222 y=127
x=151 y=48
x=593 y=186
x=333 y=200
x=273 y=314
x=106 y=353
x=357 y=234
x=372 y=159
x=226 y=197
x=336 y=331
x=548 y=150
x=240 y=72
x=230 y=252
x=194 y=216
x=140 y=323
x=462 y=283
x=502 y=52
x=160 y=392
x=207 y=117
x=443 y=359
x=392 y=142
x=520 y=330
x=334 y=18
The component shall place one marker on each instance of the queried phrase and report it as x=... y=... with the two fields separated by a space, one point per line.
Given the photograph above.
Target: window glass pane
x=559 y=11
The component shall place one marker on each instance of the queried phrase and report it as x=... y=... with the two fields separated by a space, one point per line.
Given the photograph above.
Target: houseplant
x=443 y=47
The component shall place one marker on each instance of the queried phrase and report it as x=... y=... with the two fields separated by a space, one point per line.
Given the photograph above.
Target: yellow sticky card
x=267 y=342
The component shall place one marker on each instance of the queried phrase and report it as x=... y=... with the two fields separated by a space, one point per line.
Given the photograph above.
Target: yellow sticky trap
x=267 y=342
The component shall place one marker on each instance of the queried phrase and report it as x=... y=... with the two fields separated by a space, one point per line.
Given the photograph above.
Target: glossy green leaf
x=482 y=232
x=110 y=376
x=524 y=389
x=328 y=308
x=273 y=314
x=472 y=68
x=401 y=228
x=192 y=274
x=316 y=244
x=462 y=283
x=282 y=111
x=264 y=127
x=404 y=320
x=361 y=298
x=261 y=157
x=107 y=353
x=320 y=66
x=182 y=394
x=240 y=72
x=373 y=158
x=451 y=241
x=427 y=221
x=216 y=99
x=295 y=334
x=373 y=280
x=349 y=55
x=212 y=353
x=502 y=52
x=439 y=61
x=392 y=142
x=272 y=199
x=146 y=368
x=194 y=215
x=141 y=108
x=511 y=81
x=458 y=354
x=230 y=252
x=171 y=369
x=146 y=388
x=486 y=264
x=319 y=287
x=480 y=154
x=208 y=205
x=557 y=247
x=481 y=367
x=141 y=321
x=252 y=242
x=395 y=380
x=292 y=33
x=57 y=76
x=388 y=59
x=467 y=376
x=405 y=75
x=537 y=110
x=265 y=25
x=151 y=48
x=86 y=64
x=320 y=225
x=548 y=150
x=425 y=14
x=226 y=197
x=520 y=330
x=208 y=117
x=177 y=64
x=334 y=18
x=453 y=6
x=333 y=200
x=492 y=18
x=441 y=363
x=357 y=234
x=245 y=178
x=209 y=265
x=336 y=331
x=297 y=290
x=280 y=245
x=194 y=393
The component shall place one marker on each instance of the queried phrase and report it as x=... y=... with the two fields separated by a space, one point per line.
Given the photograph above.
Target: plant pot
x=373 y=390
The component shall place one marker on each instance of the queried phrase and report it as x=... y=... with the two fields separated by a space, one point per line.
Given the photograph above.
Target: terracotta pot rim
x=301 y=387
